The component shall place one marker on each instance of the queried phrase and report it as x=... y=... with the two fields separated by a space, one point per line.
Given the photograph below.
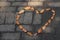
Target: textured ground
x=9 y=31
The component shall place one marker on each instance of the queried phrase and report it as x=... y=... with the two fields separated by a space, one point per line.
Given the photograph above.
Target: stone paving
x=10 y=31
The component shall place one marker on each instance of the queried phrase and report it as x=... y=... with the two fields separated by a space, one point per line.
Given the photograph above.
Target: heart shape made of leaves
x=38 y=12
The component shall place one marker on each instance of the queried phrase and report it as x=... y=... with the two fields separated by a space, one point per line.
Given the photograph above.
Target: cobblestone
x=9 y=20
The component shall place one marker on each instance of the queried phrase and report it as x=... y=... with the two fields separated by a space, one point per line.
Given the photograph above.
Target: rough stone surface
x=4 y=4
x=9 y=31
x=10 y=0
x=28 y=18
x=19 y=4
x=3 y=0
x=27 y=37
x=10 y=36
x=7 y=9
x=7 y=28
x=21 y=20
x=37 y=19
x=20 y=8
x=48 y=37
x=2 y=16
x=28 y=27
x=22 y=0
x=10 y=18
